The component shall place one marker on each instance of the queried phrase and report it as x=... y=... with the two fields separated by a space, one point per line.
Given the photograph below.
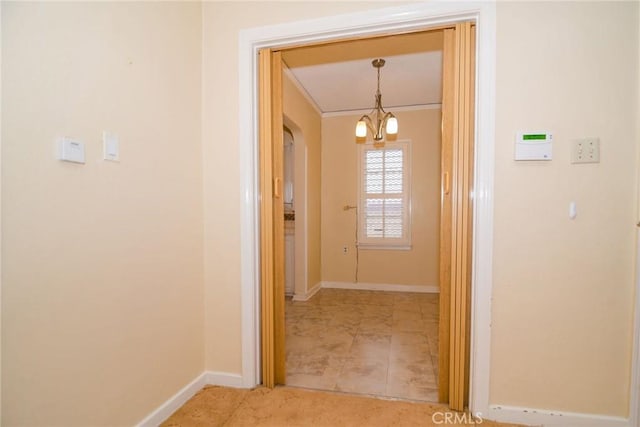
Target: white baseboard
x=224 y=379
x=429 y=289
x=165 y=410
x=508 y=414
x=634 y=396
x=309 y=294
x=547 y=418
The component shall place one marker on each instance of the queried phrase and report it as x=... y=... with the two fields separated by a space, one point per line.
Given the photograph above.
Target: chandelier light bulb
x=392 y=126
x=361 y=129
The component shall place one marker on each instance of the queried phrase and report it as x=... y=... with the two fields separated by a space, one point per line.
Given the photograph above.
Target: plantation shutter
x=384 y=200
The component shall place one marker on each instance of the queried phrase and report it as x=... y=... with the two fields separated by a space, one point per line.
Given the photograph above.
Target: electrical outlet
x=345 y=249
x=585 y=150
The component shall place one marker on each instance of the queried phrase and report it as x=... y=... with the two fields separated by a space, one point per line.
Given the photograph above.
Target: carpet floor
x=285 y=406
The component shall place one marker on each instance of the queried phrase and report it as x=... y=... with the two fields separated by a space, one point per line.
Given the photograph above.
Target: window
x=384 y=197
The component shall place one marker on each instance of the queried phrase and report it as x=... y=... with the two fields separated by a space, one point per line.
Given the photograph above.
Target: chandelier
x=381 y=119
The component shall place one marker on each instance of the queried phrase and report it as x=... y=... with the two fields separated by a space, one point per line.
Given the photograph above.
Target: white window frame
x=386 y=243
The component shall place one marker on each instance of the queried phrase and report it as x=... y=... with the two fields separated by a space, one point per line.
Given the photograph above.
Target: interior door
x=456 y=213
x=271 y=218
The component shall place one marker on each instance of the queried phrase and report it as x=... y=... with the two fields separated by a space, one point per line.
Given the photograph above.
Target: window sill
x=377 y=247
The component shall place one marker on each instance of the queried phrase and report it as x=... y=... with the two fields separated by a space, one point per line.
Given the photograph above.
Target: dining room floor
x=364 y=342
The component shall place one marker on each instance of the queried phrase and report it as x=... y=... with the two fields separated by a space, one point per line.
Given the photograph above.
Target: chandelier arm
x=387 y=116
x=378 y=135
x=382 y=125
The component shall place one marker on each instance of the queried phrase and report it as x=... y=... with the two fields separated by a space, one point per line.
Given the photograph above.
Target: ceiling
x=339 y=77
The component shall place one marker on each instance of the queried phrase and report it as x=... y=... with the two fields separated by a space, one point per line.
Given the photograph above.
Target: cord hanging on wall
x=347 y=208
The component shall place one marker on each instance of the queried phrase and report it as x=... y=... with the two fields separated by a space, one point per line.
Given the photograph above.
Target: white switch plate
x=71 y=151
x=585 y=150
x=111 y=146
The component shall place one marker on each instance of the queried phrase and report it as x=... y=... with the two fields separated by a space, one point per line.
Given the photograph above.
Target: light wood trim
x=348 y=40
x=266 y=220
x=445 y=213
x=469 y=228
x=461 y=236
x=278 y=215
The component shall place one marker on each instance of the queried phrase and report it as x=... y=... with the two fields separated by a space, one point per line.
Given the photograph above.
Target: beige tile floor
x=365 y=342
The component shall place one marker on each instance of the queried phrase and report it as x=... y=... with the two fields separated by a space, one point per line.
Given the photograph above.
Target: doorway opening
x=455 y=182
x=372 y=327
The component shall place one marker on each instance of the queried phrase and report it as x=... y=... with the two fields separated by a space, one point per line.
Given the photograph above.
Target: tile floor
x=365 y=342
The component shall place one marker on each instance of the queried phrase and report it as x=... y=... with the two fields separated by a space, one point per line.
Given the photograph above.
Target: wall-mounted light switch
x=111 y=146
x=573 y=210
x=585 y=150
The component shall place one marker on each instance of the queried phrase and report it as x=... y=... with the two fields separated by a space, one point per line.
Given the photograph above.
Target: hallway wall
x=102 y=298
x=306 y=188
x=563 y=289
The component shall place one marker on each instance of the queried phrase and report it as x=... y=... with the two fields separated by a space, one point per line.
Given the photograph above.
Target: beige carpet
x=284 y=406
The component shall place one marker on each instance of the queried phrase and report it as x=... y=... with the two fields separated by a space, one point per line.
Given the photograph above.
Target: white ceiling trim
x=301 y=88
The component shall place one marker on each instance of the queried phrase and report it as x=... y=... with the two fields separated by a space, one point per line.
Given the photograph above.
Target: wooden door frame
x=372 y=22
x=455 y=255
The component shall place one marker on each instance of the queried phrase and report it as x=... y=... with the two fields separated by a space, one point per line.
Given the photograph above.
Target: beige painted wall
x=563 y=289
x=305 y=122
x=102 y=299
x=222 y=23
x=340 y=158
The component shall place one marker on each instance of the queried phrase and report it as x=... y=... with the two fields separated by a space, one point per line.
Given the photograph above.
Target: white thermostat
x=533 y=146
x=70 y=151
